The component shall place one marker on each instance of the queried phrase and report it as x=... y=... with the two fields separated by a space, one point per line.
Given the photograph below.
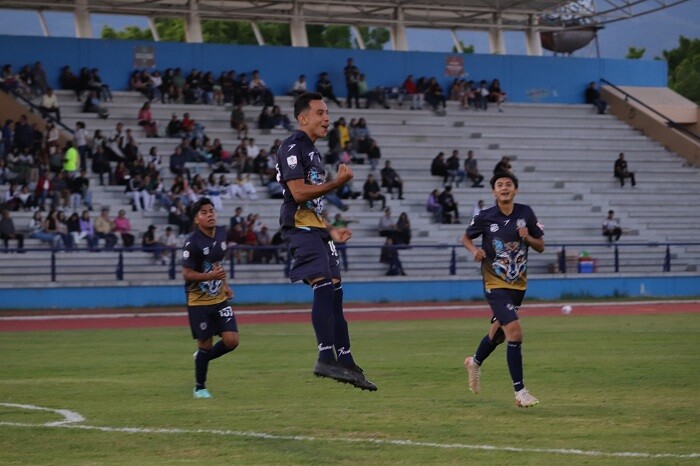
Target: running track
x=23 y=321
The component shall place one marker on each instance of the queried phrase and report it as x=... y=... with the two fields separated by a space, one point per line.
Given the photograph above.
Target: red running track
x=53 y=320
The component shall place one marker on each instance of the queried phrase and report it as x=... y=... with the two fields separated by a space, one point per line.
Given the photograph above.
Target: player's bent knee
x=231 y=340
x=498 y=337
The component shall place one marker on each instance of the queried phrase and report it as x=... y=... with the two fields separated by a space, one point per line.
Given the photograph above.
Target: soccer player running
x=508 y=230
x=300 y=171
x=207 y=292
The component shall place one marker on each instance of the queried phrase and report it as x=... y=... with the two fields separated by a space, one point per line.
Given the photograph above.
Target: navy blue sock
x=514 y=356
x=485 y=348
x=201 y=365
x=322 y=319
x=342 y=335
x=218 y=350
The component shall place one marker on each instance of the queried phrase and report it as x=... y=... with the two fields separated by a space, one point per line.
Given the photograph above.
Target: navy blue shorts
x=207 y=321
x=313 y=255
x=504 y=304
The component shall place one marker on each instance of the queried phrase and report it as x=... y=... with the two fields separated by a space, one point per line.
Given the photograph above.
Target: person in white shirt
x=299 y=86
x=49 y=104
x=611 y=227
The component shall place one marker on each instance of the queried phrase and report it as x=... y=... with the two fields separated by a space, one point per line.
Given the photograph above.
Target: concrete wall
x=525 y=79
x=562 y=287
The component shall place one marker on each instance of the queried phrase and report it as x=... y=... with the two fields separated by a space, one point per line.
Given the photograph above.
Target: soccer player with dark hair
x=508 y=230
x=300 y=171
x=207 y=292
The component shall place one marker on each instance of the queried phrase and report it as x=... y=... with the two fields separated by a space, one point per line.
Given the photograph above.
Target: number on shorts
x=226 y=312
x=331 y=245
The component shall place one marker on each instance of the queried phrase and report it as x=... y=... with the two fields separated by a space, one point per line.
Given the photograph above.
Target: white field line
x=442 y=307
x=71 y=418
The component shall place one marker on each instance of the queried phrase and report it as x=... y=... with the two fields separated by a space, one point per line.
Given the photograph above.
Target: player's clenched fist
x=344 y=173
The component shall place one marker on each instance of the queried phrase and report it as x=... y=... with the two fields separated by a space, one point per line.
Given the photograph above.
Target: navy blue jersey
x=297 y=157
x=201 y=254
x=505 y=264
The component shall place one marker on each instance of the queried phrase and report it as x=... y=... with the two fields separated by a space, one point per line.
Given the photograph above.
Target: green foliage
x=606 y=383
x=467 y=48
x=634 y=53
x=170 y=29
x=684 y=68
x=129 y=33
x=374 y=38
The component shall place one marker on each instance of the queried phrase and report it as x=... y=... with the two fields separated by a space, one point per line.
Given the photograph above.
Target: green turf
x=608 y=384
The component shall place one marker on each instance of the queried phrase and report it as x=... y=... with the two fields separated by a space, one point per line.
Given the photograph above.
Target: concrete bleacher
x=563 y=155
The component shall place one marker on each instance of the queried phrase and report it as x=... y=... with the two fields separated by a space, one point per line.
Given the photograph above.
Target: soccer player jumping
x=508 y=230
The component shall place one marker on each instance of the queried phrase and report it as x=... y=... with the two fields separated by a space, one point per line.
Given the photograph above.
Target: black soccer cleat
x=361 y=381
x=335 y=371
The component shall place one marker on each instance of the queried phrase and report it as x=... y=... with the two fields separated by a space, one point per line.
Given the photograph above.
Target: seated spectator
x=438 y=167
x=8 y=232
x=496 y=94
x=178 y=216
x=261 y=94
x=478 y=207
x=238 y=122
x=403 y=227
x=449 y=206
x=434 y=95
x=481 y=96
x=592 y=96
x=93 y=104
x=372 y=192
x=299 y=86
x=97 y=84
x=122 y=227
x=361 y=137
x=37 y=231
x=371 y=95
x=390 y=255
x=139 y=81
x=411 y=90
x=104 y=228
x=235 y=237
x=611 y=227
x=87 y=231
x=503 y=166
x=325 y=88
x=80 y=191
x=387 y=227
x=169 y=242
x=242 y=188
x=468 y=96
x=68 y=81
x=621 y=171
x=145 y=119
x=472 y=170
x=373 y=154
x=174 y=128
x=391 y=180
x=49 y=104
x=266 y=254
x=55 y=224
x=177 y=164
x=433 y=206
x=7 y=175
x=454 y=171
x=265 y=120
x=280 y=120
x=150 y=243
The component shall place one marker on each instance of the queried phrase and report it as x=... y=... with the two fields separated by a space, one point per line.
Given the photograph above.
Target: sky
x=655 y=32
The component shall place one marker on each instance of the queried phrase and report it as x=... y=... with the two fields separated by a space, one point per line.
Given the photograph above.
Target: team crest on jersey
x=203 y=326
x=521 y=222
x=494 y=227
x=205 y=251
x=223 y=246
x=185 y=254
x=292 y=161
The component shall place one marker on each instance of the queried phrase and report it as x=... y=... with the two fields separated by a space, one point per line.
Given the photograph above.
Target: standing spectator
x=434 y=207
x=449 y=205
x=238 y=122
x=372 y=192
x=302 y=175
x=104 y=228
x=391 y=180
x=207 y=293
x=23 y=135
x=592 y=96
x=80 y=142
x=472 y=170
x=503 y=257
x=49 y=104
x=352 y=76
x=611 y=227
x=8 y=232
x=621 y=171
x=325 y=88
x=70 y=159
x=122 y=226
x=80 y=191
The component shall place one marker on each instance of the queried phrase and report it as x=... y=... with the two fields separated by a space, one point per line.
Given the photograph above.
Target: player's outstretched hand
x=344 y=173
x=340 y=235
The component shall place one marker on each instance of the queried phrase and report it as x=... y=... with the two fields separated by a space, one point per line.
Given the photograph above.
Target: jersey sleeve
x=476 y=226
x=289 y=161
x=533 y=226
x=190 y=257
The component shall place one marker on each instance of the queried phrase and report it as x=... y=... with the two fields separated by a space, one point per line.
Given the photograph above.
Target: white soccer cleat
x=523 y=399
x=474 y=371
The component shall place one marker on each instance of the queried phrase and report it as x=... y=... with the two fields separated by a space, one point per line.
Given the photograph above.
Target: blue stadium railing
x=571 y=258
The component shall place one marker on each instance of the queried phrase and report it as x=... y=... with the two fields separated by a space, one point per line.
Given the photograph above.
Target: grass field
x=612 y=389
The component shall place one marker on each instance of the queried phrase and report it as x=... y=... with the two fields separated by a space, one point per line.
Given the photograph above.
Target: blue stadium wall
x=525 y=79
x=574 y=287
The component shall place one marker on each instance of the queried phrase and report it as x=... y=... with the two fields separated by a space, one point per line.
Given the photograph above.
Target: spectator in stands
x=93 y=104
x=150 y=243
x=387 y=226
x=434 y=207
x=373 y=154
x=23 y=134
x=242 y=188
x=145 y=119
x=97 y=84
x=6 y=174
x=496 y=94
x=266 y=254
x=611 y=227
x=478 y=207
x=177 y=164
x=8 y=232
x=438 y=167
x=73 y=227
x=468 y=96
x=352 y=76
x=299 y=86
x=403 y=227
x=372 y=192
x=341 y=222
x=116 y=142
x=391 y=180
x=472 y=170
x=281 y=120
x=87 y=231
x=238 y=122
x=362 y=139
x=139 y=81
x=449 y=206
x=40 y=78
x=49 y=104
x=68 y=81
x=156 y=84
x=371 y=95
x=621 y=171
x=481 y=96
x=325 y=88
x=169 y=242
x=261 y=94
x=174 y=128
x=80 y=191
x=37 y=231
x=592 y=96
x=265 y=120
x=390 y=255
x=55 y=225
x=503 y=166
x=122 y=227
x=80 y=142
x=70 y=159
x=410 y=89
x=455 y=173
x=178 y=216
x=434 y=95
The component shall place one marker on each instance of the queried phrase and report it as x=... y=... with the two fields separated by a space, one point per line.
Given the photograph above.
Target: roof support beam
x=456 y=41
x=193 y=26
x=42 y=22
x=297 y=27
x=153 y=28
x=496 y=42
x=358 y=37
x=256 y=31
x=533 y=40
x=81 y=15
x=398 y=31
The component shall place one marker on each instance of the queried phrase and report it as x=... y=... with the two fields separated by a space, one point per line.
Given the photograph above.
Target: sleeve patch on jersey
x=292 y=161
x=185 y=254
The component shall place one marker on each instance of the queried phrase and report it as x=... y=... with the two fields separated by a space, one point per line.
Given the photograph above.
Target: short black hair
x=303 y=102
x=499 y=175
x=197 y=206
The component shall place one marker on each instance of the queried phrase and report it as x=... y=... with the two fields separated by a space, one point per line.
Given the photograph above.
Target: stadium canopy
x=493 y=16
